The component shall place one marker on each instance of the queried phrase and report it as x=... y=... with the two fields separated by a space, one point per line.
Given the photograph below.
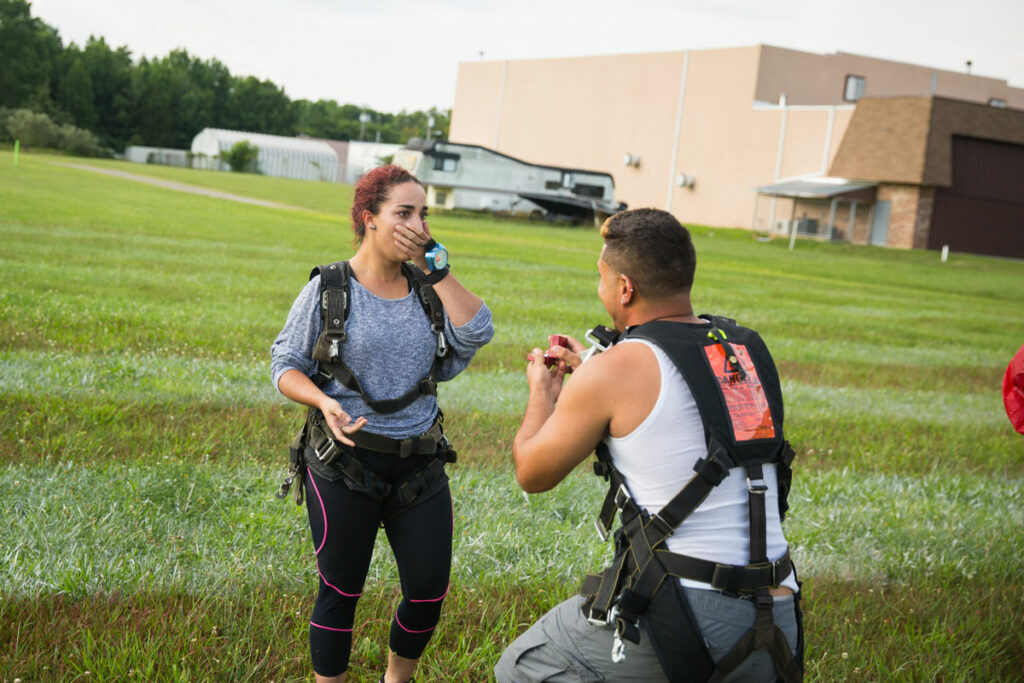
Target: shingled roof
x=909 y=139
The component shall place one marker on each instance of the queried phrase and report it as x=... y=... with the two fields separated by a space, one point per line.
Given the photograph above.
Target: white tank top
x=657 y=460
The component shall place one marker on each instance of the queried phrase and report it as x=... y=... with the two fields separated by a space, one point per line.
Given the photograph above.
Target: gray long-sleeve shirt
x=389 y=348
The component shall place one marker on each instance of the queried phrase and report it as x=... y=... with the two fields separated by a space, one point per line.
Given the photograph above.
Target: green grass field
x=141 y=441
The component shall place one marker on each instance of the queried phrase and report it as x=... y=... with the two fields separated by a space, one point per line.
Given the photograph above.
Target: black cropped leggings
x=344 y=525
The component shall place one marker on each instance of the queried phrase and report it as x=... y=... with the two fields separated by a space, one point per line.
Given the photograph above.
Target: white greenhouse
x=278 y=156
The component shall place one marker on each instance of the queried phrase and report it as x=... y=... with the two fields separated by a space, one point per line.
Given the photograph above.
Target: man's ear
x=626 y=289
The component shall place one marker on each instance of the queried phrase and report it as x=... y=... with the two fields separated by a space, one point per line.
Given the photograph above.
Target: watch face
x=440 y=258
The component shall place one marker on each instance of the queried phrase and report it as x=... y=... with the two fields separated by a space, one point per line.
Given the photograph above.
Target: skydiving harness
x=335 y=294
x=736 y=388
x=315 y=446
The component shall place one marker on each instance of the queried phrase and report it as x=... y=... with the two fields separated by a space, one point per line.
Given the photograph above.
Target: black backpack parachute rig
x=736 y=387
x=315 y=445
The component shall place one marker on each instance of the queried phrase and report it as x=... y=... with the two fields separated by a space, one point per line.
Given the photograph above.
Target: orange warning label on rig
x=744 y=396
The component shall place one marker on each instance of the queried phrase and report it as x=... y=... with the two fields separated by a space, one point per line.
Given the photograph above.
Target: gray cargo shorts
x=563 y=647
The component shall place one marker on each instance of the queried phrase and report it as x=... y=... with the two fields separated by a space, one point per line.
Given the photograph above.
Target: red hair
x=373 y=190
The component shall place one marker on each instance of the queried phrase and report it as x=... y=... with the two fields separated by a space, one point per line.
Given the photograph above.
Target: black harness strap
x=622 y=593
x=765 y=634
x=335 y=296
x=738 y=579
x=321 y=444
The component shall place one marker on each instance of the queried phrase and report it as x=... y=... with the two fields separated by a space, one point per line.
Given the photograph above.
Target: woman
x=364 y=465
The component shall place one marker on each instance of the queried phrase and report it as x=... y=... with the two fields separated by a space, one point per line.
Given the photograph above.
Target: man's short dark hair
x=653 y=249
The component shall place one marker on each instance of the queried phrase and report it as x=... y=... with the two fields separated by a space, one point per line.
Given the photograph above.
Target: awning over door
x=814 y=188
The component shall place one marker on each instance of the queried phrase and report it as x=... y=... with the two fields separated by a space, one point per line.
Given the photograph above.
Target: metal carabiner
x=282 y=492
x=618 y=649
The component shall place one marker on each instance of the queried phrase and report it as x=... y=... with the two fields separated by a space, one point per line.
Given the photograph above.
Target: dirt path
x=180 y=187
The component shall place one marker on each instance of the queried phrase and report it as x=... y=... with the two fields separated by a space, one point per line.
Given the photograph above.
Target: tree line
x=165 y=102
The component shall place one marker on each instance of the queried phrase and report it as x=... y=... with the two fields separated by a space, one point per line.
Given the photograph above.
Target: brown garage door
x=983 y=211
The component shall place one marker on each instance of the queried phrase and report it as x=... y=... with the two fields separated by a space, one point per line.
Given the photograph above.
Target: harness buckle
x=758 y=486
x=622 y=496
x=329 y=454
x=442 y=345
x=773 y=569
x=602 y=531
x=713 y=468
x=594 y=621
x=661 y=525
x=427 y=387
x=766 y=574
x=333 y=351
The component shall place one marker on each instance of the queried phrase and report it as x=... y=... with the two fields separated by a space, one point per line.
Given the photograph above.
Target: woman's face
x=406 y=204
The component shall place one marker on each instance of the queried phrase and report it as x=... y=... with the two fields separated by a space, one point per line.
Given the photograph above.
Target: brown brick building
x=950 y=172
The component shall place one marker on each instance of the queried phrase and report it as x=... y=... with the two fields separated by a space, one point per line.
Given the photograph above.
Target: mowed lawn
x=141 y=441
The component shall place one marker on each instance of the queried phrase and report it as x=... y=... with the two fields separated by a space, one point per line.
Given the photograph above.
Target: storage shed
x=282 y=157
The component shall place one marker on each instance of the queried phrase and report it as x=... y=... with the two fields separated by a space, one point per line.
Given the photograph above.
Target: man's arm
x=562 y=424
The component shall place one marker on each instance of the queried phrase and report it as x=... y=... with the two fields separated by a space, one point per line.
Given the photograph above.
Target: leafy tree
x=111 y=74
x=29 y=50
x=166 y=101
x=34 y=129
x=75 y=95
x=326 y=119
x=79 y=142
x=261 y=106
x=215 y=82
x=168 y=110
x=242 y=157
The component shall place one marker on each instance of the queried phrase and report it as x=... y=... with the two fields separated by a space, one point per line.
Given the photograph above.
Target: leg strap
x=421 y=481
x=764 y=635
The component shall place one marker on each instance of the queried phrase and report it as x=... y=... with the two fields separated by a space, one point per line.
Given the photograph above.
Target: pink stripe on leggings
x=331 y=585
x=323 y=510
x=409 y=630
x=317 y=551
x=435 y=599
x=328 y=628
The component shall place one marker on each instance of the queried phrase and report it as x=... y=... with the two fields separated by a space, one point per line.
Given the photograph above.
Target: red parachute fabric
x=1013 y=390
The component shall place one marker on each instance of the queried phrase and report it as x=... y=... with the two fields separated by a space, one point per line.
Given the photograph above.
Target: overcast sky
x=404 y=54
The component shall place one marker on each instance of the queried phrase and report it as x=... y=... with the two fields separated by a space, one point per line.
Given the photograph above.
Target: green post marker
x=17 y=145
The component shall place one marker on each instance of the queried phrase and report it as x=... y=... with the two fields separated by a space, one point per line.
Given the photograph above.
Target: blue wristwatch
x=437 y=256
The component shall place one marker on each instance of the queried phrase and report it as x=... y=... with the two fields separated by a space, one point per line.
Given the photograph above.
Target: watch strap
x=434 y=277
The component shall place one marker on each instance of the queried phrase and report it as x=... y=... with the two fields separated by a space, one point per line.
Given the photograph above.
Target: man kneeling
x=686 y=415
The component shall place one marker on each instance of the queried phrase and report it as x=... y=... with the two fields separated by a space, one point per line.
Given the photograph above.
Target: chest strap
x=335 y=297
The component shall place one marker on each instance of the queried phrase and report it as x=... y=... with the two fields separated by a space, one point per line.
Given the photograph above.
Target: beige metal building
x=698 y=132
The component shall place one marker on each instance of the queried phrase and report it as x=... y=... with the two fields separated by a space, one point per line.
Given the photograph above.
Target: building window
x=447 y=164
x=997 y=102
x=588 y=190
x=854 y=88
